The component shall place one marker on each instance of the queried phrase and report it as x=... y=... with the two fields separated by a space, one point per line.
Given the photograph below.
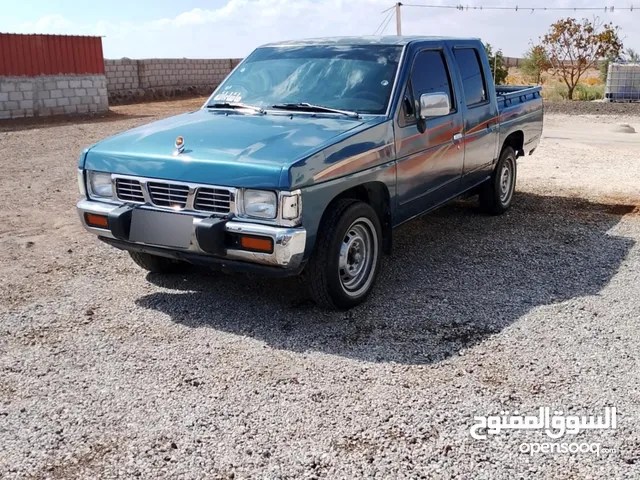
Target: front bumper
x=210 y=239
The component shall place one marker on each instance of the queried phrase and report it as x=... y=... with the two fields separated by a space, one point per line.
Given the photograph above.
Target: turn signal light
x=256 y=244
x=99 y=221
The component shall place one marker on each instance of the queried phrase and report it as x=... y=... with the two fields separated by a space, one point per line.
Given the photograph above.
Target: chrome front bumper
x=288 y=243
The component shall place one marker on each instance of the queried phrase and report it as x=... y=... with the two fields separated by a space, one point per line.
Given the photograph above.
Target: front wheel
x=496 y=194
x=344 y=266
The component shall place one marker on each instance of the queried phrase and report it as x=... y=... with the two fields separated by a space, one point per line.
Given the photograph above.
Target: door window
x=429 y=75
x=472 y=75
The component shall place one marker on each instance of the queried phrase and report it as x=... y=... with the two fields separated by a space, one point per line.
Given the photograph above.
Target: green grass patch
x=582 y=92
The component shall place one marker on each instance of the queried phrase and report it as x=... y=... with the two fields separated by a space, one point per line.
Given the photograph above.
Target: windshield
x=357 y=78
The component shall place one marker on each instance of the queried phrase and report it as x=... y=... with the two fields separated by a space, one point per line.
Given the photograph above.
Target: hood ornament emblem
x=179 y=144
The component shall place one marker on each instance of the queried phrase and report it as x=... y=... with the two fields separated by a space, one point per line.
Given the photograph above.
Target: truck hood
x=221 y=148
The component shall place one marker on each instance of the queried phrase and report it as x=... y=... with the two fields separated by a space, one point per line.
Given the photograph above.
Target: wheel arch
x=376 y=194
x=514 y=140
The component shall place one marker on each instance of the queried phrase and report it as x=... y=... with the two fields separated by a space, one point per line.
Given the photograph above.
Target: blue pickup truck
x=307 y=156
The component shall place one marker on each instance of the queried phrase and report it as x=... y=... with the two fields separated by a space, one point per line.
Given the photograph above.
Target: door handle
x=490 y=125
x=457 y=137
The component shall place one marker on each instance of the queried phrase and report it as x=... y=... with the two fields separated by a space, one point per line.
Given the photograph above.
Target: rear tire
x=496 y=194
x=156 y=264
x=346 y=260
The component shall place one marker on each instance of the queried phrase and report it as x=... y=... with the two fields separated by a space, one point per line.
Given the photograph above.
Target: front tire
x=346 y=260
x=496 y=194
x=156 y=264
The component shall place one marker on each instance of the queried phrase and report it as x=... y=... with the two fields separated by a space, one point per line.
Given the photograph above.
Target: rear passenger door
x=480 y=114
x=429 y=163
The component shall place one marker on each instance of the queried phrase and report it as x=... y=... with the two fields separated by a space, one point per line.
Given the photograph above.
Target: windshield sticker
x=228 y=97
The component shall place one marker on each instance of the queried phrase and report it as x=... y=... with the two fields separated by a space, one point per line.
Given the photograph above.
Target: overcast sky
x=232 y=28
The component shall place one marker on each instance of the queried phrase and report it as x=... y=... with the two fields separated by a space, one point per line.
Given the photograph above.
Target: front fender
x=316 y=198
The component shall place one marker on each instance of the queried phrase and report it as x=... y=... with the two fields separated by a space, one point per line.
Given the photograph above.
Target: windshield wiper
x=236 y=105
x=309 y=107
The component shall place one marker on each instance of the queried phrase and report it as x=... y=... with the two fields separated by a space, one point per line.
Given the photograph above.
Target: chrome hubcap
x=358 y=254
x=506 y=181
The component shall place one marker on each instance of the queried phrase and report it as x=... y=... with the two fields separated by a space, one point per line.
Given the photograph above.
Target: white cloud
x=52 y=22
x=236 y=28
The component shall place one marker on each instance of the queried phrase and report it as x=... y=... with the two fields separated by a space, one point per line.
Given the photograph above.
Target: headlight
x=100 y=184
x=260 y=204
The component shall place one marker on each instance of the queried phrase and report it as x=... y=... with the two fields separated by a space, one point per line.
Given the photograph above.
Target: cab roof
x=387 y=40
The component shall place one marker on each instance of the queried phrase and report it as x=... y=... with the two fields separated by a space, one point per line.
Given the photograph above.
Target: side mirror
x=434 y=105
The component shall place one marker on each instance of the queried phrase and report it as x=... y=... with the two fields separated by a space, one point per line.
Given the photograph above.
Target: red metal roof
x=33 y=55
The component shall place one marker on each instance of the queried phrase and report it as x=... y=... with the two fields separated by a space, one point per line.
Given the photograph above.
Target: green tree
x=497 y=61
x=535 y=63
x=574 y=47
x=632 y=55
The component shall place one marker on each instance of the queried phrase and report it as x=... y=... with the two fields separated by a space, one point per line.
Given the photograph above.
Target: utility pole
x=398 y=19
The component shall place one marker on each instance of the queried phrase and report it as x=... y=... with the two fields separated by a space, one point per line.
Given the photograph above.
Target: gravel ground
x=107 y=372
x=592 y=108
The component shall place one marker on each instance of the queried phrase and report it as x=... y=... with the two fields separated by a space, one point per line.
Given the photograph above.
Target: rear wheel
x=344 y=266
x=496 y=194
x=156 y=264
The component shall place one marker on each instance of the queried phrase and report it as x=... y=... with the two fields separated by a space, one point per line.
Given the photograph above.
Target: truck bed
x=516 y=94
x=520 y=109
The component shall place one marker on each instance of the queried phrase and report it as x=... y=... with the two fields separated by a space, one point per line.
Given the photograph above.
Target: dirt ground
x=108 y=372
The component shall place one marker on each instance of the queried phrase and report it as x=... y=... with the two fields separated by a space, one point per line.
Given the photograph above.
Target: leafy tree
x=502 y=72
x=574 y=47
x=632 y=55
x=535 y=63
x=629 y=56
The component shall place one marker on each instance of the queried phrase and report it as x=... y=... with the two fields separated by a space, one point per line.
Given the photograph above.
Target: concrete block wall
x=121 y=74
x=128 y=80
x=182 y=72
x=52 y=95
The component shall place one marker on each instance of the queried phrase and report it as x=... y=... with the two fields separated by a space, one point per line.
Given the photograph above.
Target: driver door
x=430 y=164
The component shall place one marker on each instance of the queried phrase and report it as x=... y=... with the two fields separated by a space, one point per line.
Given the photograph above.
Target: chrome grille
x=129 y=190
x=188 y=196
x=168 y=194
x=214 y=200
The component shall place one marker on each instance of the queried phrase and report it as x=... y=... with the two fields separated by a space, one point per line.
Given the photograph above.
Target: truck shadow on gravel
x=455 y=278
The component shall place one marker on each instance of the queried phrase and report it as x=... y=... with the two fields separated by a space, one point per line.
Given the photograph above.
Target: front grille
x=203 y=198
x=168 y=195
x=214 y=200
x=129 y=190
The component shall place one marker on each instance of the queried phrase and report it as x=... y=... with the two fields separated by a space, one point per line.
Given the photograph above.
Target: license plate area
x=164 y=229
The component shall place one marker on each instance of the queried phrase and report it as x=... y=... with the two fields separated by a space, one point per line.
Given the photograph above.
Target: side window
x=473 y=82
x=408 y=113
x=430 y=75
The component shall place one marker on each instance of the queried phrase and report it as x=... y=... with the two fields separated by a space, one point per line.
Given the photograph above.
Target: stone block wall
x=125 y=81
x=121 y=74
x=52 y=95
x=128 y=80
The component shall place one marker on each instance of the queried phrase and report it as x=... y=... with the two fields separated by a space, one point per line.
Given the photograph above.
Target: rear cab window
x=472 y=76
x=429 y=74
